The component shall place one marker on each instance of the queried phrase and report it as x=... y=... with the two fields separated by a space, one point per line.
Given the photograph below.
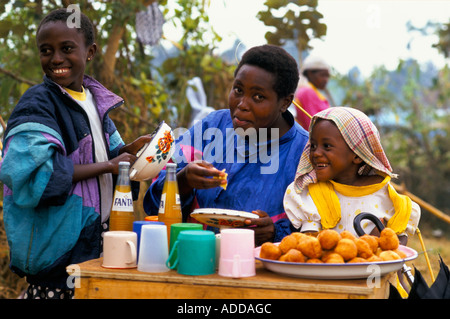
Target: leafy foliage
x=298 y=20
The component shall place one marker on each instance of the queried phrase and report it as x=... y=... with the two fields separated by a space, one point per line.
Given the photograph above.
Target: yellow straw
x=301 y=109
x=425 y=253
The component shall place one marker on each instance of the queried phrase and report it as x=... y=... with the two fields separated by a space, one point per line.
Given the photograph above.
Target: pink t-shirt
x=310 y=101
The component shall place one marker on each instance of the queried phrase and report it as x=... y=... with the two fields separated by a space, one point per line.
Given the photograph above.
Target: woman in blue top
x=256 y=141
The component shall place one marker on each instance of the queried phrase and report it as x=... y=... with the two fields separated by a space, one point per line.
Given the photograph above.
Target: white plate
x=153 y=156
x=337 y=271
x=222 y=218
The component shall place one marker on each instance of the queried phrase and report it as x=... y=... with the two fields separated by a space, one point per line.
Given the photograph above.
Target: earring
x=89 y=59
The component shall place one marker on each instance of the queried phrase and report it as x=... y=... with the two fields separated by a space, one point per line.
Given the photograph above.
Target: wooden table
x=95 y=282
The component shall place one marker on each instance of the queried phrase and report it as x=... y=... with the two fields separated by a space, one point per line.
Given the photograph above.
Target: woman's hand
x=263 y=227
x=199 y=175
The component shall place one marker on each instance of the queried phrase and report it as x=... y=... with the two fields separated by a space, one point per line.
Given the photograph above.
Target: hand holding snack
x=222 y=177
x=200 y=175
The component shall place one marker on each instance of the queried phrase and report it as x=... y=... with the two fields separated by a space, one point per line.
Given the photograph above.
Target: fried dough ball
x=314 y=261
x=310 y=247
x=389 y=255
x=388 y=239
x=287 y=243
x=326 y=253
x=401 y=254
x=372 y=241
x=346 y=248
x=357 y=260
x=293 y=255
x=363 y=248
x=348 y=235
x=374 y=258
x=328 y=238
x=334 y=258
x=270 y=251
x=297 y=235
x=379 y=250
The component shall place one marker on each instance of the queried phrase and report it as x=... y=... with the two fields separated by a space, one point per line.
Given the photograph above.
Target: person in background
x=264 y=84
x=61 y=151
x=314 y=76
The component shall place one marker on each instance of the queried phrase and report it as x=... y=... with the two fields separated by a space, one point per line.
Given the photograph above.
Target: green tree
x=296 y=20
x=196 y=58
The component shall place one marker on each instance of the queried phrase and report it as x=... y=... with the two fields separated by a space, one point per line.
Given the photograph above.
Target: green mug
x=196 y=253
x=175 y=230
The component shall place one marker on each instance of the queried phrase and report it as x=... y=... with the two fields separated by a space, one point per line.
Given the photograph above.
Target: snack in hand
x=224 y=186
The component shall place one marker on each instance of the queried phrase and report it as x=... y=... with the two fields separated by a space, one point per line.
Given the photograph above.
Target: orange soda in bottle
x=170 y=207
x=122 y=212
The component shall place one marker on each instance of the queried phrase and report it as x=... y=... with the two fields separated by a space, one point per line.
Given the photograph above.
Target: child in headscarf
x=344 y=171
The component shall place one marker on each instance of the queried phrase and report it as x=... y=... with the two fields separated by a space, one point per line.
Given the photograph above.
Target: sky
x=360 y=33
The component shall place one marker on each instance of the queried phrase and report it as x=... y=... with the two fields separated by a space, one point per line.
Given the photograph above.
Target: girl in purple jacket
x=61 y=154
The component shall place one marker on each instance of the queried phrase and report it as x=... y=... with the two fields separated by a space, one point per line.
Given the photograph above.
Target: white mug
x=119 y=249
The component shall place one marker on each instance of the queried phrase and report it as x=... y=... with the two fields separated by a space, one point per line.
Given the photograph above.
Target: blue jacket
x=49 y=221
x=258 y=175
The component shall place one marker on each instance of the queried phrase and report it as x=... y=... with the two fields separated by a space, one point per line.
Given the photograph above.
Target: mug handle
x=132 y=251
x=175 y=245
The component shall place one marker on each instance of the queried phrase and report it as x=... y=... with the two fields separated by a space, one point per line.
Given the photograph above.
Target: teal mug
x=196 y=253
x=175 y=230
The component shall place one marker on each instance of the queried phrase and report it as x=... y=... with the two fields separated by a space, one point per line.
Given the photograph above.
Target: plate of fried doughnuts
x=222 y=218
x=332 y=255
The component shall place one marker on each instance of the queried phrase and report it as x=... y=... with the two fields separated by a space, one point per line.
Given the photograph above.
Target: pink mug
x=236 y=253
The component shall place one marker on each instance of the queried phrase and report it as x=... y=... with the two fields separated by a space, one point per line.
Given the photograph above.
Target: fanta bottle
x=170 y=207
x=122 y=212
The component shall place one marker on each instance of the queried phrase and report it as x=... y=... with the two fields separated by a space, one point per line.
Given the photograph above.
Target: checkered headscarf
x=361 y=136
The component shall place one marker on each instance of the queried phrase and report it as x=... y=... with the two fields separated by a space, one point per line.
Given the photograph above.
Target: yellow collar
x=357 y=191
x=327 y=202
x=79 y=96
